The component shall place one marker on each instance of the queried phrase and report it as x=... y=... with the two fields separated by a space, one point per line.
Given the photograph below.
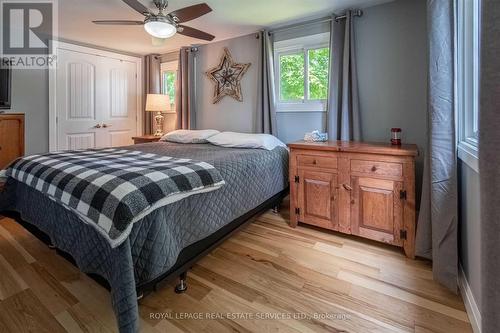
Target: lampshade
x=157 y=103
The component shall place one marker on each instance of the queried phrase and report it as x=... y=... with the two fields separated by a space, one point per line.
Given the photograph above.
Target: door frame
x=56 y=45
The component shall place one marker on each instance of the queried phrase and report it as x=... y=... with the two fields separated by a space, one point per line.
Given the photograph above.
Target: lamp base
x=159 y=124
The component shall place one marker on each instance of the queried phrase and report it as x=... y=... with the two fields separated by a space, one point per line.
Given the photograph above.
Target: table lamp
x=158 y=103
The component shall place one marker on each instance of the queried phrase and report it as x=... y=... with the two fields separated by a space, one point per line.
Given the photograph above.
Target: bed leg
x=276 y=208
x=181 y=287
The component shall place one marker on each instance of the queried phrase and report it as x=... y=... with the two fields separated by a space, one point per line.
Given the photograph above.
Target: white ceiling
x=229 y=18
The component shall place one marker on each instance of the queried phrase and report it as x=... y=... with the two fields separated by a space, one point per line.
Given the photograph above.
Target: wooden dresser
x=11 y=137
x=364 y=189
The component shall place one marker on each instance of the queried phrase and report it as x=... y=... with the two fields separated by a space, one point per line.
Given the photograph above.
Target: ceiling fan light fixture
x=159 y=27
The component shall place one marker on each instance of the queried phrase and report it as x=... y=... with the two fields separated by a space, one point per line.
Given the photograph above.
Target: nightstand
x=145 y=139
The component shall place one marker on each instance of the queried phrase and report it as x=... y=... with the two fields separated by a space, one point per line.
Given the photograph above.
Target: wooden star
x=227 y=78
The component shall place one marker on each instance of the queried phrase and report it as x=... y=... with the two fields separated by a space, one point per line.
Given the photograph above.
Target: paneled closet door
x=96 y=101
x=120 y=102
x=77 y=100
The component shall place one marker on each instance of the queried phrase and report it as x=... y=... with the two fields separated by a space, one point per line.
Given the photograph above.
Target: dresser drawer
x=324 y=162
x=377 y=168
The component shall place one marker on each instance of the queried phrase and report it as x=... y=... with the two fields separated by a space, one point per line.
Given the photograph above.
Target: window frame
x=300 y=45
x=169 y=66
x=467 y=60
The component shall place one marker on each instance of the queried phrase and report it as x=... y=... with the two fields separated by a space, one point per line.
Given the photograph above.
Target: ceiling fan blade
x=192 y=32
x=139 y=7
x=191 y=12
x=118 y=22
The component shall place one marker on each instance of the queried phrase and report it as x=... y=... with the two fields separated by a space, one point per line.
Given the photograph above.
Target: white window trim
x=292 y=46
x=467 y=82
x=169 y=66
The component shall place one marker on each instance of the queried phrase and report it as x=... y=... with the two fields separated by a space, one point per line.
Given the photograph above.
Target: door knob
x=105 y=125
x=97 y=126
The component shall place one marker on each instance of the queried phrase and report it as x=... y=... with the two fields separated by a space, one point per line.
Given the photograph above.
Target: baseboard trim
x=469 y=301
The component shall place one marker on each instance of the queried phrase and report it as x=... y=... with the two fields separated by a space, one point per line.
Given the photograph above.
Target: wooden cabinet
x=317 y=197
x=11 y=138
x=364 y=189
x=376 y=209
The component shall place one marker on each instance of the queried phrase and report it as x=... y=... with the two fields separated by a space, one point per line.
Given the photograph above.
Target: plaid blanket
x=110 y=189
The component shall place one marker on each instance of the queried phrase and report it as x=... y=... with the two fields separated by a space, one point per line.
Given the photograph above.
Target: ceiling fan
x=163 y=25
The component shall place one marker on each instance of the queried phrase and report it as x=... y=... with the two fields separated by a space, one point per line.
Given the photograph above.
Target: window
x=467 y=83
x=302 y=73
x=168 y=81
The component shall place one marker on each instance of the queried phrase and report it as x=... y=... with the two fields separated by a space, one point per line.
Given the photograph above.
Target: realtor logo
x=27 y=30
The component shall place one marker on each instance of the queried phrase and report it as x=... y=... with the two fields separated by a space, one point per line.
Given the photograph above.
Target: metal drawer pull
x=347 y=187
x=374 y=168
x=314 y=162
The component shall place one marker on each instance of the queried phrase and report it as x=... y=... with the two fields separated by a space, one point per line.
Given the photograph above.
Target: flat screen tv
x=5 y=85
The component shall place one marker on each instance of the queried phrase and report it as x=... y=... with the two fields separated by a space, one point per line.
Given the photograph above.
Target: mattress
x=252 y=176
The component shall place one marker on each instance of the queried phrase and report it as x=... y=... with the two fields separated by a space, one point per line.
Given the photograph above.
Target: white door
x=119 y=115
x=96 y=101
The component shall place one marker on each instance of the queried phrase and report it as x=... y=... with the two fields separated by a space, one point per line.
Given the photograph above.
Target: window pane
x=168 y=85
x=318 y=73
x=292 y=77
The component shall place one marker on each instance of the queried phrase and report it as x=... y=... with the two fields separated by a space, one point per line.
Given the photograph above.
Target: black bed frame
x=188 y=256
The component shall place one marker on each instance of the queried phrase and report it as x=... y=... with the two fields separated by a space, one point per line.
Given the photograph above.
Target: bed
x=165 y=243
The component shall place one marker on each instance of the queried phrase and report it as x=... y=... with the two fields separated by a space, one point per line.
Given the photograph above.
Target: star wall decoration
x=227 y=78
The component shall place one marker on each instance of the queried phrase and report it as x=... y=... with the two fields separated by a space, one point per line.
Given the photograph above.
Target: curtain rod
x=355 y=12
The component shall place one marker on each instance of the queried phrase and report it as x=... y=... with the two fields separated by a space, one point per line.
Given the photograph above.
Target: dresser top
x=8 y=113
x=358 y=147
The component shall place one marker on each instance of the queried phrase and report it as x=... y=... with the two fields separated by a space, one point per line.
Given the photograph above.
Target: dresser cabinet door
x=376 y=209
x=11 y=146
x=317 y=198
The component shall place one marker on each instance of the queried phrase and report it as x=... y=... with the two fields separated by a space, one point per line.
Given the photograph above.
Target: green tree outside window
x=318 y=73
x=292 y=77
x=168 y=86
x=292 y=80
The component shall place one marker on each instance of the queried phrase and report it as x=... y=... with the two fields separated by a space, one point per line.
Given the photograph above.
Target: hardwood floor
x=266 y=278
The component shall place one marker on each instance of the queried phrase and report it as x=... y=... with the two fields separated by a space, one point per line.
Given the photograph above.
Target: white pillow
x=189 y=136
x=244 y=140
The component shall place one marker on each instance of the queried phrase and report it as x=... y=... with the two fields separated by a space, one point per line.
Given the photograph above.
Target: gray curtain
x=437 y=222
x=266 y=113
x=343 y=121
x=489 y=161
x=152 y=78
x=186 y=89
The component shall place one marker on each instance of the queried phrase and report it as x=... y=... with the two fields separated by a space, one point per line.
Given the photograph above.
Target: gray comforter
x=252 y=176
